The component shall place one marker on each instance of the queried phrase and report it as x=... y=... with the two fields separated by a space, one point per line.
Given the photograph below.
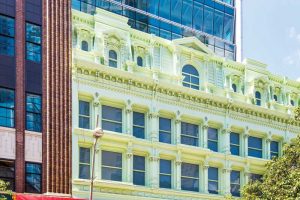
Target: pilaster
x=153 y=118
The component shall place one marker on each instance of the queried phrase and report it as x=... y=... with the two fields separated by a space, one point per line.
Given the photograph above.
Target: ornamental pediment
x=193 y=43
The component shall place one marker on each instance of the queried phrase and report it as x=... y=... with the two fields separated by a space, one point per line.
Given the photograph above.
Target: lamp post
x=97 y=134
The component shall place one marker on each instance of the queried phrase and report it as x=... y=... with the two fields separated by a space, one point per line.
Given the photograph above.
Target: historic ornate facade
x=179 y=121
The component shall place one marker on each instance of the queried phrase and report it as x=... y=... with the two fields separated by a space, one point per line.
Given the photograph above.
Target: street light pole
x=97 y=134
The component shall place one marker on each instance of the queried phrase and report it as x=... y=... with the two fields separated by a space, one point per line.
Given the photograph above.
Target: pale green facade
x=156 y=90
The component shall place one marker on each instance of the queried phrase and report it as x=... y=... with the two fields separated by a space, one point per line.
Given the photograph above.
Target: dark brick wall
x=20 y=96
x=57 y=90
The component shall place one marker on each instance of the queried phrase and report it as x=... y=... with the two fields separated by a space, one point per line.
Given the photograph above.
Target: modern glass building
x=213 y=22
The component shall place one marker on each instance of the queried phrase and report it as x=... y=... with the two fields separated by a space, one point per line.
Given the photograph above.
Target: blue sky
x=271 y=34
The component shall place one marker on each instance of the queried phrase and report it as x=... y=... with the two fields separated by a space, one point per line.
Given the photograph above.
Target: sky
x=271 y=34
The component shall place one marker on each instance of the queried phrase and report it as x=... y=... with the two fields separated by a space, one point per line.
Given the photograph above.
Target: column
x=129 y=167
x=153 y=118
x=128 y=113
x=245 y=149
x=205 y=178
x=226 y=138
x=177 y=130
x=95 y=121
x=268 y=149
x=205 y=130
x=154 y=171
x=226 y=184
x=246 y=177
x=177 y=178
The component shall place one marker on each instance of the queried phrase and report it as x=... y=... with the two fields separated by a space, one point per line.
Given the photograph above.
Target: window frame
x=113 y=121
x=114 y=60
x=212 y=180
x=36 y=44
x=196 y=138
x=8 y=36
x=236 y=184
x=139 y=126
x=166 y=174
x=112 y=167
x=190 y=177
x=164 y=131
x=256 y=149
x=12 y=178
x=190 y=75
x=138 y=170
x=41 y=175
x=140 y=59
x=84 y=42
x=10 y=109
x=84 y=116
x=35 y=113
x=85 y=164
x=236 y=145
x=273 y=152
x=258 y=100
x=212 y=140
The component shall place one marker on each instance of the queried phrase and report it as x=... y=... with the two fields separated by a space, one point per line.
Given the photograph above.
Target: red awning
x=41 y=197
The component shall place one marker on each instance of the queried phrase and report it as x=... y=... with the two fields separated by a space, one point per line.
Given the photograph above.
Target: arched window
x=258 y=98
x=84 y=46
x=113 y=59
x=292 y=102
x=191 y=77
x=275 y=97
x=139 y=61
x=234 y=88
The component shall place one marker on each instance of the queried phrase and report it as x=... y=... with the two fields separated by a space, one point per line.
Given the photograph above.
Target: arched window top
x=191 y=77
x=113 y=54
x=113 y=58
x=139 y=60
x=189 y=69
x=84 y=45
x=234 y=87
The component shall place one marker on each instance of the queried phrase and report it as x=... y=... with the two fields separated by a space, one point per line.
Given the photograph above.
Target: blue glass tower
x=212 y=21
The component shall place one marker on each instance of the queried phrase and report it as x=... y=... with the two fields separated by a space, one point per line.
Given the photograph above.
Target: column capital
x=226 y=131
x=226 y=170
x=205 y=126
x=129 y=155
x=206 y=166
x=154 y=158
x=153 y=115
x=96 y=103
x=128 y=110
x=178 y=162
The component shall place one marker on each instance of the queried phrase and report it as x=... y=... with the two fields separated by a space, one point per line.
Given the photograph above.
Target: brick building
x=35 y=92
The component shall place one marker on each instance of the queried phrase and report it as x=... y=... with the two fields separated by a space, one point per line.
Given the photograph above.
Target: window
x=111 y=166
x=292 y=103
x=255 y=147
x=165 y=173
x=139 y=60
x=84 y=45
x=189 y=177
x=212 y=137
x=112 y=119
x=7 y=173
x=33 y=42
x=234 y=88
x=274 y=149
x=235 y=143
x=255 y=177
x=235 y=183
x=7 y=107
x=84 y=162
x=139 y=125
x=7 y=36
x=275 y=97
x=258 y=98
x=113 y=59
x=213 y=180
x=191 y=77
x=189 y=134
x=33 y=112
x=84 y=114
x=138 y=170
x=165 y=130
x=33 y=178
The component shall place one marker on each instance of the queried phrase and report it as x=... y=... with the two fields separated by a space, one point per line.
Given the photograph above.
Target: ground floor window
x=33 y=178
x=7 y=173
